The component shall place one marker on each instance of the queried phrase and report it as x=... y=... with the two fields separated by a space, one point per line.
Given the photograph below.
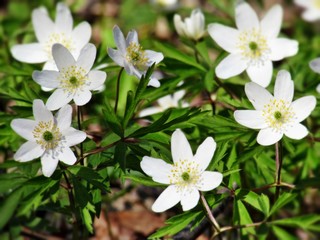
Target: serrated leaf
x=304 y=222
x=283 y=199
x=175 y=224
x=120 y=155
x=112 y=119
x=282 y=234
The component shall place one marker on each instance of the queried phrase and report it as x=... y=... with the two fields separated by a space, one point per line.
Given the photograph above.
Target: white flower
x=169 y=101
x=276 y=115
x=169 y=5
x=312 y=9
x=74 y=80
x=254 y=45
x=193 y=27
x=49 y=137
x=186 y=176
x=48 y=33
x=131 y=55
x=315 y=66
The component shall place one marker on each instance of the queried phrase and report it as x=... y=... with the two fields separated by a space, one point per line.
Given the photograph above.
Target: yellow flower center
x=184 y=174
x=137 y=56
x=47 y=134
x=61 y=38
x=73 y=78
x=278 y=114
x=253 y=46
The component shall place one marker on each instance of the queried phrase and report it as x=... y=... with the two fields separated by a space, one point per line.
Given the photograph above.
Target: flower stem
x=118 y=90
x=209 y=213
x=278 y=147
x=79 y=117
x=221 y=84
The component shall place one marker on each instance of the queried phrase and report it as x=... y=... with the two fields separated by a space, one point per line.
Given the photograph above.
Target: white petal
x=257 y=95
x=46 y=78
x=225 y=37
x=132 y=37
x=190 y=199
x=82 y=97
x=245 y=16
x=167 y=199
x=311 y=15
x=284 y=86
x=261 y=74
x=271 y=23
x=67 y=156
x=43 y=26
x=297 y=131
x=116 y=56
x=210 y=180
x=119 y=39
x=180 y=147
x=87 y=57
x=303 y=3
x=48 y=163
x=50 y=65
x=73 y=136
x=250 y=118
x=64 y=21
x=318 y=88
x=64 y=117
x=303 y=107
x=29 y=53
x=81 y=35
x=315 y=65
x=156 y=168
x=282 y=48
x=96 y=79
x=62 y=57
x=154 y=82
x=178 y=24
x=205 y=153
x=150 y=111
x=40 y=112
x=58 y=99
x=28 y=151
x=268 y=136
x=232 y=65
x=153 y=57
x=24 y=128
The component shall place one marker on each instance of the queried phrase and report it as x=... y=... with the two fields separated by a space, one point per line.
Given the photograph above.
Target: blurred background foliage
x=110 y=184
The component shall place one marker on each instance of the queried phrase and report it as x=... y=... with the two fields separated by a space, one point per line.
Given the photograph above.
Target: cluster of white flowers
x=69 y=59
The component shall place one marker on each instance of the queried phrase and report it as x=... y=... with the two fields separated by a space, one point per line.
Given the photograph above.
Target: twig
x=79 y=117
x=118 y=90
x=209 y=213
x=278 y=147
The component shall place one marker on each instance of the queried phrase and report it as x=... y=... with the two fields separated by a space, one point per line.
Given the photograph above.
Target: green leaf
x=304 y=222
x=9 y=206
x=260 y=203
x=120 y=155
x=176 y=224
x=112 y=119
x=241 y=216
x=204 y=52
x=81 y=193
x=86 y=216
x=282 y=234
x=172 y=52
x=10 y=181
x=283 y=199
x=208 y=80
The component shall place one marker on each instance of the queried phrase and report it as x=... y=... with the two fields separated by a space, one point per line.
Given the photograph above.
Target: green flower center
x=253 y=46
x=185 y=176
x=73 y=80
x=47 y=136
x=277 y=115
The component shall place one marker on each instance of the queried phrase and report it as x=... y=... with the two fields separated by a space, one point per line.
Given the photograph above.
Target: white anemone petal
x=257 y=95
x=49 y=163
x=250 y=118
x=261 y=74
x=167 y=199
x=210 y=180
x=205 y=153
x=180 y=147
x=296 y=131
x=303 y=107
x=232 y=65
x=29 y=53
x=268 y=136
x=156 y=168
x=284 y=86
x=190 y=198
x=28 y=151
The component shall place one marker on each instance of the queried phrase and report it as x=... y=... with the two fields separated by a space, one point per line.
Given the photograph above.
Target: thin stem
x=118 y=90
x=228 y=228
x=79 y=117
x=278 y=147
x=221 y=84
x=72 y=205
x=209 y=213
